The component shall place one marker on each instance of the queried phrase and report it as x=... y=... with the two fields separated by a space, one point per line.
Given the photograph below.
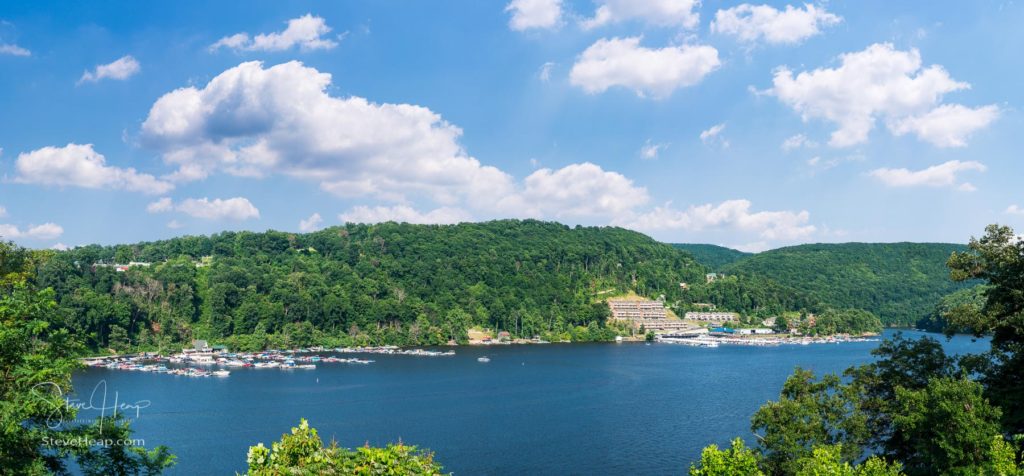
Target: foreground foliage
x=302 y=452
x=36 y=361
x=914 y=410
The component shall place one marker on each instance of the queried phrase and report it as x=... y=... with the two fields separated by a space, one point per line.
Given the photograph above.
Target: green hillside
x=394 y=283
x=713 y=256
x=900 y=282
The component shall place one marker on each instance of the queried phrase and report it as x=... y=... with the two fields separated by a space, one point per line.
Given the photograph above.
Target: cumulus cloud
x=306 y=32
x=121 y=69
x=13 y=50
x=753 y=23
x=46 y=231
x=655 y=72
x=650 y=150
x=403 y=213
x=1014 y=210
x=713 y=136
x=948 y=125
x=79 y=165
x=797 y=141
x=254 y=121
x=160 y=206
x=60 y=247
x=672 y=13
x=580 y=190
x=729 y=215
x=311 y=224
x=880 y=82
x=942 y=175
x=237 y=208
x=539 y=14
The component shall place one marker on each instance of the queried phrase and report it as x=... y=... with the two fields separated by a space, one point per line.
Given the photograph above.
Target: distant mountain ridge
x=901 y=282
x=713 y=256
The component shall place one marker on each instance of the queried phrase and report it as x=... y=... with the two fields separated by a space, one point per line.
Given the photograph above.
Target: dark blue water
x=541 y=409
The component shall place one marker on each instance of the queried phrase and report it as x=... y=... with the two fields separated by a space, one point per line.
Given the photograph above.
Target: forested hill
x=713 y=256
x=900 y=282
x=398 y=283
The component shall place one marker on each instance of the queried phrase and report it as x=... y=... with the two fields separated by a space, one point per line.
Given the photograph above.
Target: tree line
x=390 y=283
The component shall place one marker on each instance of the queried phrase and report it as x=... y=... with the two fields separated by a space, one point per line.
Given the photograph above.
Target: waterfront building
x=637 y=309
x=713 y=317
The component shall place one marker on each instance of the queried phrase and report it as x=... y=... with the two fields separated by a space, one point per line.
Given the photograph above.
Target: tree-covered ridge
x=899 y=282
x=714 y=257
x=400 y=283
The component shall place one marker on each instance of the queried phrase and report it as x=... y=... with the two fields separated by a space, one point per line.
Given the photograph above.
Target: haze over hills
x=900 y=282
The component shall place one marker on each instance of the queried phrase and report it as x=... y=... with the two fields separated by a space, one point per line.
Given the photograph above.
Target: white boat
x=484 y=359
x=221 y=373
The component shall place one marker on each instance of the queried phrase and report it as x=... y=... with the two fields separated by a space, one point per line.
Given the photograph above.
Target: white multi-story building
x=715 y=317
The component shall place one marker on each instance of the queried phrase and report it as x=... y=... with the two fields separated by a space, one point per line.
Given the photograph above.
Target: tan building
x=637 y=309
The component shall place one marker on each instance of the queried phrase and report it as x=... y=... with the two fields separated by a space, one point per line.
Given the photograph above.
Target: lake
x=533 y=409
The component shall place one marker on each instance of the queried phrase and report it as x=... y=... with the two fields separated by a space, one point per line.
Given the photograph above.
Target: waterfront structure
x=665 y=325
x=757 y=331
x=713 y=317
x=637 y=309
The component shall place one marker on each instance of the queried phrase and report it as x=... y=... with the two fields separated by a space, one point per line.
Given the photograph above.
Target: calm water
x=542 y=409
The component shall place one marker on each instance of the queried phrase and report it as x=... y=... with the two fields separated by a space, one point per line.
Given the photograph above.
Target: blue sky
x=748 y=125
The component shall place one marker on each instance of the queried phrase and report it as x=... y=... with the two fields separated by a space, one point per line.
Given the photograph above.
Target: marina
x=205 y=362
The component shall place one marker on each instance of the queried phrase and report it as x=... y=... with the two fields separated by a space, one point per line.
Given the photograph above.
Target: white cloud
x=580 y=190
x=674 y=13
x=753 y=23
x=821 y=164
x=942 y=175
x=3 y=212
x=160 y=206
x=254 y=121
x=728 y=215
x=236 y=208
x=311 y=224
x=878 y=82
x=46 y=231
x=121 y=69
x=79 y=165
x=1014 y=210
x=948 y=125
x=541 y=14
x=403 y=213
x=713 y=135
x=545 y=71
x=60 y=247
x=650 y=151
x=655 y=72
x=306 y=32
x=752 y=247
x=798 y=141
x=13 y=50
